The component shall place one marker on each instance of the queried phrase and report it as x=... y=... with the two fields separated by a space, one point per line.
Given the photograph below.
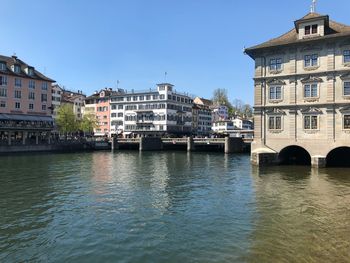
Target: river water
x=170 y=207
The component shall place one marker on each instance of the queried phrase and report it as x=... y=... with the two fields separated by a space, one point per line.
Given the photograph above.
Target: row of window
x=18 y=105
x=16 y=68
x=310 y=91
x=310 y=60
x=311 y=122
x=18 y=83
x=152 y=97
x=169 y=117
x=18 y=94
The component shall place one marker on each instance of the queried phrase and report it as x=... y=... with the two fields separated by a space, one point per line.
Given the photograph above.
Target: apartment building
x=76 y=100
x=154 y=112
x=202 y=117
x=25 y=101
x=302 y=93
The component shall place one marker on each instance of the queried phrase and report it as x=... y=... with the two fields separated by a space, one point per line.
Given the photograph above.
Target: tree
x=66 y=119
x=88 y=123
x=247 y=111
x=220 y=97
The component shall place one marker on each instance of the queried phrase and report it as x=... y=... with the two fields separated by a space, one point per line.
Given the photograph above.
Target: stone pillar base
x=318 y=161
x=264 y=159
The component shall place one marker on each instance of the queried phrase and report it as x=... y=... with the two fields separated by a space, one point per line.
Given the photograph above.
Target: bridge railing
x=174 y=140
x=209 y=140
x=128 y=140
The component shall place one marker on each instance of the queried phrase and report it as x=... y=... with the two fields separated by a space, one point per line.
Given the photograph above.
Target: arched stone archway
x=294 y=155
x=338 y=157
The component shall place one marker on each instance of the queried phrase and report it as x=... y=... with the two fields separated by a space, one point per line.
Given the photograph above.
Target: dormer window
x=307 y=30
x=17 y=69
x=313 y=29
x=30 y=71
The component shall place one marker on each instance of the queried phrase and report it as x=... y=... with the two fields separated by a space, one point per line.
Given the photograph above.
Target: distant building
x=242 y=124
x=76 y=100
x=153 y=112
x=202 y=117
x=98 y=105
x=25 y=102
x=222 y=127
x=56 y=92
x=219 y=112
x=302 y=92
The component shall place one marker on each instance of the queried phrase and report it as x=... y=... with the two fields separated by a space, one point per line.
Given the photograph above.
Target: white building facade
x=157 y=112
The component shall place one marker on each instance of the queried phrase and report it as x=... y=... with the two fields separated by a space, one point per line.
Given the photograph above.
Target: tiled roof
x=333 y=29
x=14 y=60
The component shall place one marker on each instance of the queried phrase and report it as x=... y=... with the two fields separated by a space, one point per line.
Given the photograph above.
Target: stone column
x=233 y=144
x=190 y=144
x=115 y=145
x=318 y=161
x=37 y=138
x=263 y=159
x=48 y=137
x=24 y=137
x=9 y=138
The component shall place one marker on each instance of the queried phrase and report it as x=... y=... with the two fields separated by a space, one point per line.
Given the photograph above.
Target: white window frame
x=274 y=117
x=348 y=56
x=273 y=66
x=31 y=84
x=310 y=60
x=274 y=98
x=343 y=121
x=311 y=86
x=347 y=82
x=3 y=80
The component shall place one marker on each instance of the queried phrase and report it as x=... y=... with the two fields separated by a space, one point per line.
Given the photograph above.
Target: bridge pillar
x=24 y=137
x=263 y=158
x=233 y=145
x=150 y=144
x=318 y=161
x=115 y=145
x=9 y=138
x=190 y=144
x=37 y=138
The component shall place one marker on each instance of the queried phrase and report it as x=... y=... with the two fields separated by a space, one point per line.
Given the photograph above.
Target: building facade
x=25 y=102
x=56 y=92
x=155 y=112
x=202 y=117
x=76 y=100
x=302 y=93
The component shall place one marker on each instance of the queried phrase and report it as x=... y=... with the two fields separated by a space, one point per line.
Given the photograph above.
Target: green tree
x=66 y=119
x=88 y=123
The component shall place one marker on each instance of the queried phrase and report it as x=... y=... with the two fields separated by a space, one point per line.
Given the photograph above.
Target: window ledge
x=347 y=64
x=346 y=97
x=311 y=35
x=275 y=101
x=275 y=131
x=275 y=72
x=311 y=131
x=316 y=99
x=346 y=131
x=310 y=68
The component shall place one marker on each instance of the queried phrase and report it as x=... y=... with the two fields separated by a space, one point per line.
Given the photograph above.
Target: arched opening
x=295 y=155
x=338 y=157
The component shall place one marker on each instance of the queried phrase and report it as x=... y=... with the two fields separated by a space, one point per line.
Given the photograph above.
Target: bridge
x=227 y=144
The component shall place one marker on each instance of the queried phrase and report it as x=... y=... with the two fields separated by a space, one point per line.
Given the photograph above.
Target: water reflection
x=303 y=215
x=170 y=207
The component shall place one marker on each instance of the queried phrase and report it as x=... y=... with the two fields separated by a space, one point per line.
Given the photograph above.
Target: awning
x=22 y=117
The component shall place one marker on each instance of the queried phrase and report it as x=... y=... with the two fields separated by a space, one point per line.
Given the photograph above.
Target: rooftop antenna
x=165 y=74
x=313 y=6
x=117 y=84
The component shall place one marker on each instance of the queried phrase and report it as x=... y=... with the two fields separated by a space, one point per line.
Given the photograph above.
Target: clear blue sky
x=88 y=45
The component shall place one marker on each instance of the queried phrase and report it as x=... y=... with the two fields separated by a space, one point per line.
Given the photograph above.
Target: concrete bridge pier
x=318 y=161
x=190 y=144
x=114 y=144
x=150 y=144
x=264 y=158
x=233 y=145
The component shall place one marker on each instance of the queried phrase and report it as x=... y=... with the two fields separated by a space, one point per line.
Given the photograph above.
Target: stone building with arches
x=302 y=94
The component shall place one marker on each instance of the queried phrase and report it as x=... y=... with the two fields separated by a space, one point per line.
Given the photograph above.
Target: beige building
x=302 y=94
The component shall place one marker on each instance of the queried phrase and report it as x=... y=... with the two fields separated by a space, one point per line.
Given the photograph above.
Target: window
x=346 y=122
x=128 y=98
x=31 y=96
x=314 y=29
x=311 y=60
x=43 y=97
x=18 y=82
x=134 y=98
x=113 y=107
x=2 y=66
x=44 y=86
x=2 y=104
x=30 y=71
x=3 y=92
x=31 y=106
x=310 y=122
x=275 y=93
x=148 y=97
x=275 y=123
x=43 y=107
x=120 y=114
x=276 y=64
x=3 y=80
x=307 y=30
x=142 y=98
x=18 y=94
x=113 y=115
x=31 y=84
x=17 y=105
x=346 y=56
x=16 y=69
x=347 y=88
x=155 y=97
x=120 y=107
x=310 y=90
x=162 y=96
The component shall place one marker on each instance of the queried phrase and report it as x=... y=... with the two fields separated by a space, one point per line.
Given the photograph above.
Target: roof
x=203 y=101
x=333 y=29
x=10 y=61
